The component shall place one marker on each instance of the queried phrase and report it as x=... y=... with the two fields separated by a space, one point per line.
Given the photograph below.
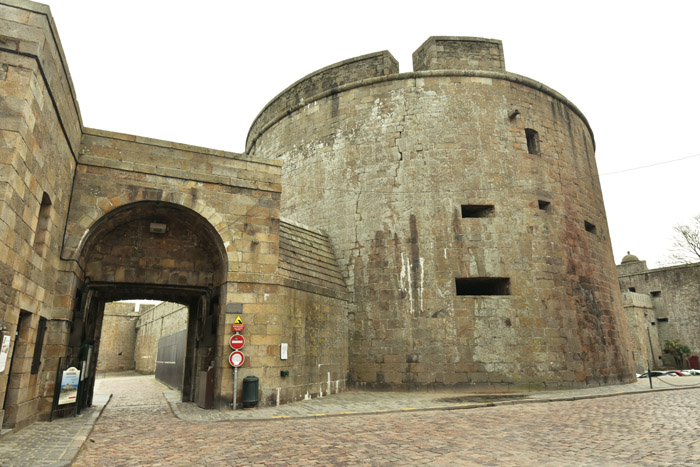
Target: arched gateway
x=140 y=226
x=153 y=250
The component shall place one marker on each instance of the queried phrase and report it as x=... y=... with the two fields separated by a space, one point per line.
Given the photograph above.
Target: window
x=589 y=227
x=632 y=289
x=544 y=205
x=533 y=141
x=483 y=285
x=41 y=235
x=477 y=210
x=656 y=293
x=38 y=345
x=662 y=320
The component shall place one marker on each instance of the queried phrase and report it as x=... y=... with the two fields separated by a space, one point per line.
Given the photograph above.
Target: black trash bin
x=250 y=391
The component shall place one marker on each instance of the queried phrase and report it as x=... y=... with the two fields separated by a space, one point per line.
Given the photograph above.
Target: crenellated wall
x=459 y=53
x=385 y=167
x=320 y=83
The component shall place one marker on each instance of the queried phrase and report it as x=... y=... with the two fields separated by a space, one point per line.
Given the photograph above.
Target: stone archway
x=152 y=250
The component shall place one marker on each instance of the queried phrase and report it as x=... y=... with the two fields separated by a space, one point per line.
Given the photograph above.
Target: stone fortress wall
x=159 y=321
x=129 y=337
x=666 y=304
x=75 y=209
x=464 y=205
x=40 y=133
x=118 y=338
x=439 y=228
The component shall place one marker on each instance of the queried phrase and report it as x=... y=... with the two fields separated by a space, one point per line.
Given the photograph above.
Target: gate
x=170 y=363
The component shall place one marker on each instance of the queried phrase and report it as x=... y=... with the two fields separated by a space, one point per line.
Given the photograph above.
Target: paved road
x=662 y=428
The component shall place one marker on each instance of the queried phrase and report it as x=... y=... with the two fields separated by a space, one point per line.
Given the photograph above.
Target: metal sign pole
x=56 y=388
x=235 y=385
x=651 y=349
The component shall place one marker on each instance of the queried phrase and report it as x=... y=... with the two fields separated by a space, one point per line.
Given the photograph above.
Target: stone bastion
x=464 y=206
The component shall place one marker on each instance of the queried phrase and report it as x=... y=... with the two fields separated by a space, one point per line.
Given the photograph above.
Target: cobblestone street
x=138 y=428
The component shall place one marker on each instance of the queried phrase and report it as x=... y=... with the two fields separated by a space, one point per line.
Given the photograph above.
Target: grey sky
x=199 y=72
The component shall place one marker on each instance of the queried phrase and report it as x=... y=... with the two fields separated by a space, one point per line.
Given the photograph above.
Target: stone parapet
x=459 y=53
x=325 y=80
x=638 y=300
x=136 y=154
x=28 y=30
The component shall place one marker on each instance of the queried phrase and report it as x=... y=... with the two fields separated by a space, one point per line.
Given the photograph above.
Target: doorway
x=153 y=250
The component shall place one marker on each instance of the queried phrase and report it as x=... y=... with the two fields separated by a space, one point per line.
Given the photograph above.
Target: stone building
x=661 y=304
x=438 y=228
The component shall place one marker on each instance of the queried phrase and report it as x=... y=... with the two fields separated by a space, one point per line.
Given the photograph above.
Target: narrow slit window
x=477 y=210
x=589 y=227
x=662 y=320
x=483 y=285
x=41 y=235
x=544 y=205
x=533 y=141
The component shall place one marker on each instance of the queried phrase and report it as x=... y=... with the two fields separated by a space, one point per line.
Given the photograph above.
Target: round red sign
x=237 y=342
x=236 y=359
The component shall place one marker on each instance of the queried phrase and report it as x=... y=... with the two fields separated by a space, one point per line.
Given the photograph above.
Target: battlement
x=459 y=53
x=326 y=80
x=437 y=54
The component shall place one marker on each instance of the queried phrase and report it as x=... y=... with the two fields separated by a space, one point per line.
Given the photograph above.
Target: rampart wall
x=161 y=320
x=118 y=338
x=643 y=332
x=392 y=168
x=675 y=294
x=40 y=133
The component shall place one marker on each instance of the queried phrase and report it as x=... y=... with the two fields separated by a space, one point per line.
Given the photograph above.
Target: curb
x=173 y=401
x=79 y=439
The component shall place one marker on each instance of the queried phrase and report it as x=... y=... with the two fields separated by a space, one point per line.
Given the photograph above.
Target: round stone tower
x=464 y=206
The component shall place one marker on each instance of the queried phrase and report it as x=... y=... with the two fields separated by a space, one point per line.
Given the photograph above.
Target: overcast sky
x=199 y=73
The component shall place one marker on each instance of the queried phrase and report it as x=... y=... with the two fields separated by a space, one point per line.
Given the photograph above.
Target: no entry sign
x=237 y=342
x=236 y=359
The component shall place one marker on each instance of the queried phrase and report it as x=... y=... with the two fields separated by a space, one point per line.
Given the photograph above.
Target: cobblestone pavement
x=652 y=428
x=363 y=402
x=55 y=443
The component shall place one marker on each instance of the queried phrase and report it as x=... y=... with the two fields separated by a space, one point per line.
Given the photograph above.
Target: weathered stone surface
x=118 y=338
x=159 y=321
x=39 y=134
x=384 y=167
x=421 y=184
x=459 y=53
x=667 y=299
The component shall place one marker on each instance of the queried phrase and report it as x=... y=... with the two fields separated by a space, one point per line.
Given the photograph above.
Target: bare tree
x=686 y=243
